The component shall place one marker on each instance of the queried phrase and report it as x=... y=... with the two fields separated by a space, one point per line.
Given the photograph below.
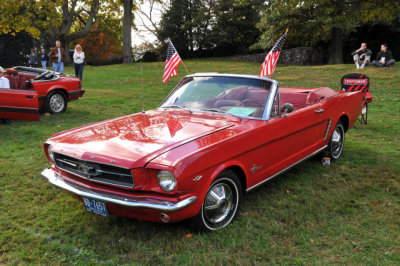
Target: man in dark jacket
x=384 y=57
x=57 y=57
x=362 y=56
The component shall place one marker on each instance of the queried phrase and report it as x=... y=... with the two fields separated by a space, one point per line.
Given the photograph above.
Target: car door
x=19 y=104
x=295 y=136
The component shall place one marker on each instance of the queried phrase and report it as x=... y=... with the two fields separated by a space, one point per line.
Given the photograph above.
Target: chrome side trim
x=287 y=168
x=327 y=129
x=132 y=202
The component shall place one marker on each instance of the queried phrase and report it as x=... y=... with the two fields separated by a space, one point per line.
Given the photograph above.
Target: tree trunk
x=127 y=32
x=336 y=54
x=68 y=60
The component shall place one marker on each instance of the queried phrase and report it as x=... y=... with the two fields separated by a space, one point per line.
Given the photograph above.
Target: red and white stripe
x=171 y=63
x=268 y=67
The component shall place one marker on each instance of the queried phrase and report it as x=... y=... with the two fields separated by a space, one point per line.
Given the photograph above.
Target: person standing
x=79 y=57
x=362 y=56
x=57 y=57
x=44 y=58
x=384 y=57
x=33 y=59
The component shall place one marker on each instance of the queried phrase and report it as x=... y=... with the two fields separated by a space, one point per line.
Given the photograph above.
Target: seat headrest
x=12 y=72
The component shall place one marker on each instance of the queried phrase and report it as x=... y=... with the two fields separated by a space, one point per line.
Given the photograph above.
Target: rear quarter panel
x=66 y=84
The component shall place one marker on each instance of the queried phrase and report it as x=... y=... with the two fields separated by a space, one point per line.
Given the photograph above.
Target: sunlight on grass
x=346 y=213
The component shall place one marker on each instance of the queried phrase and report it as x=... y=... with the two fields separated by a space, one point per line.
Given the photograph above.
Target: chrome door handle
x=319 y=110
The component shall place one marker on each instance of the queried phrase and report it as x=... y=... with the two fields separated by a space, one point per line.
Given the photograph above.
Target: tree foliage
x=222 y=27
x=65 y=20
x=312 y=21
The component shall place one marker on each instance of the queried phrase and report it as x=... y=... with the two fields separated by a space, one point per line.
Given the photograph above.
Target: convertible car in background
x=33 y=89
x=215 y=137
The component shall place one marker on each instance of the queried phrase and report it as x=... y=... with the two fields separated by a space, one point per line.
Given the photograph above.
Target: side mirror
x=287 y=108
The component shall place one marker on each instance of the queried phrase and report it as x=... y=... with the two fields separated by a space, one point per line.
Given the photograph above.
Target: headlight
x=50 y=153
x=166 y=180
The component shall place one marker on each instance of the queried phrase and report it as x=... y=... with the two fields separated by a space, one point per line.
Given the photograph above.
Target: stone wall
x=294 y=56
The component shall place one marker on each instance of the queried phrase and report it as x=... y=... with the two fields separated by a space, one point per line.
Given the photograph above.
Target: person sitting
x=4 y=82
x=384 y=57
x=362 y=56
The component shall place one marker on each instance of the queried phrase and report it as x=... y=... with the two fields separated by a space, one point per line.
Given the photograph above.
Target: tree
x=148 y=17
x=313 y=21
x=209 y=27
x=99 y=46
x=14 y=48
x=127 y=56
x=64 y=20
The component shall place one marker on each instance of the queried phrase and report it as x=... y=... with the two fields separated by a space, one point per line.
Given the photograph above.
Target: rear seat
x=16 y=81
x=298 y=99
x=12 y=75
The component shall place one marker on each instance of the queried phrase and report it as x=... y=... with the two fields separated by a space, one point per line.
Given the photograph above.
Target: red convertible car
x=215 y=137
x=33 y=89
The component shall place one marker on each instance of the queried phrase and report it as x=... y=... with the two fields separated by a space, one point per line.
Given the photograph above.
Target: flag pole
x=180 y=56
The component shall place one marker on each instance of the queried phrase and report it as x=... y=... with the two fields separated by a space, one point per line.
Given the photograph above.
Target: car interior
x=22 y=80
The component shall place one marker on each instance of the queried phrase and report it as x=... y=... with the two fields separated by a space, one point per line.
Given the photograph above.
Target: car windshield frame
x=273 y=90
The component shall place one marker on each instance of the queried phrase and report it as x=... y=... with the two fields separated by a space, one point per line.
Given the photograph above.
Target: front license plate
x=95 y=206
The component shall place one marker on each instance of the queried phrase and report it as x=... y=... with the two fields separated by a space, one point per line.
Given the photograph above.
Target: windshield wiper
x=178 y=107
x=215 y=110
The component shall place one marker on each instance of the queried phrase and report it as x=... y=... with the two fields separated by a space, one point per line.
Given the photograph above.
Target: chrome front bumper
x=132 y=202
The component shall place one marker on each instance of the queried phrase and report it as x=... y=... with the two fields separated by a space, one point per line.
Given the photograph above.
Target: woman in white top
x=79 y=56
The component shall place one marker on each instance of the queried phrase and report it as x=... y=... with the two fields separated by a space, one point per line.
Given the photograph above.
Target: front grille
x=98 y=172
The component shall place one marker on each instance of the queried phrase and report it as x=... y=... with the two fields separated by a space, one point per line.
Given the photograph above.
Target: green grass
x=348 y=212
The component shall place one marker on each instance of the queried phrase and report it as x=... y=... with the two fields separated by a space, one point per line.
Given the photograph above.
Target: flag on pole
x=268 y=67
x=171 y=63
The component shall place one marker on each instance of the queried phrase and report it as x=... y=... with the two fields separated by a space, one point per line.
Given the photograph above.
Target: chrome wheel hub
x=218 y=203
x=337 y=141
x=57 y=103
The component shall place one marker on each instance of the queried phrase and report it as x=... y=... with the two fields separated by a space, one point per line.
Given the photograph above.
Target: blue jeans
x=78 y=70
x=58 y=67
x=387 y=63
x=44 y=63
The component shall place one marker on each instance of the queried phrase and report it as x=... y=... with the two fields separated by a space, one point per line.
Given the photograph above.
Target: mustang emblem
x=88 y=170
x=255 y=168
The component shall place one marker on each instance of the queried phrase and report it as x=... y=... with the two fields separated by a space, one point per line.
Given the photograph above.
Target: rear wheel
x=56 y=102
x=221 y=203
x=336 y=143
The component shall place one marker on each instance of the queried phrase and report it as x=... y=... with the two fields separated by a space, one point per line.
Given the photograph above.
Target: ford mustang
x=33 y=89
x=215 y=137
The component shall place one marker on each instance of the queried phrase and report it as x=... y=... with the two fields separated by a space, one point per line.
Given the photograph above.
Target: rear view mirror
x=287 y=108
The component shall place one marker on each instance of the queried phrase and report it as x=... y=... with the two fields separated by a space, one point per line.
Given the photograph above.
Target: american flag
x=268 y=67
x=171 y=63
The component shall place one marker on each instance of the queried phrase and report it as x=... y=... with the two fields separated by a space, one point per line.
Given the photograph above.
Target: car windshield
x=231 y=95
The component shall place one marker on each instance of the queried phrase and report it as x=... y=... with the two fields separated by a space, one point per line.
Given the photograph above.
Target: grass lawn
x=348 y=212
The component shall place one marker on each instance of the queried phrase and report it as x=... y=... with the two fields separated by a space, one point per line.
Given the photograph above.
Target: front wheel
x=56 y=102
x=221 y=203
x=336 y=143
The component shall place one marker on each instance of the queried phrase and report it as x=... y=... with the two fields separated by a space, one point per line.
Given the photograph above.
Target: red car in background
x=33 y=89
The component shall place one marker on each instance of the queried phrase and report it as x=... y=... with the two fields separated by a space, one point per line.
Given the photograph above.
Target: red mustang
x=33 y=89
x=215 y=137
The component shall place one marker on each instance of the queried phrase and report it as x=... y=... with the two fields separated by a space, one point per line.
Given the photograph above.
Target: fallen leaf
x=358 y=248
x=311 y=240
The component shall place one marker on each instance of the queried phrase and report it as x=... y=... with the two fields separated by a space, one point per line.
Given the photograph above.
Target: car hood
x=132 y=141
